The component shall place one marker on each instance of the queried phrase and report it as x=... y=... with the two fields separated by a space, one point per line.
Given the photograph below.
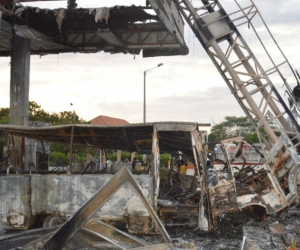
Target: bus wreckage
x=116 y=205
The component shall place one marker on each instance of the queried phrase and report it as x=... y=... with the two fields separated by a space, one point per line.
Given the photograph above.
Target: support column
x=0 y=20
x=103 y=158
x=19 y=92
x=119 y=156
x=132 y=156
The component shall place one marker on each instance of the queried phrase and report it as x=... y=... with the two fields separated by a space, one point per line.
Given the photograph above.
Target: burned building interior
x=117 y=205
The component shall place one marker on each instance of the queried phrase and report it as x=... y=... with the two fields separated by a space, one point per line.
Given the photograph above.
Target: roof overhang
x=172 y=136
x=119 y=29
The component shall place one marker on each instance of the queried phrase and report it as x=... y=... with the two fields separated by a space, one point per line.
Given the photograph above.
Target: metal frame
x=251 y=86
x=81 y=219
x=78 y=220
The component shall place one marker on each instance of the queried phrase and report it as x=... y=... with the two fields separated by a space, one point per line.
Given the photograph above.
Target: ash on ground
x=237 y=231
x=274 y=232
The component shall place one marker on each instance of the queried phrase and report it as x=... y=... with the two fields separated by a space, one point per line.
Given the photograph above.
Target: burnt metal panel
x=23 y=197
x=119 y=29
x=83 y=214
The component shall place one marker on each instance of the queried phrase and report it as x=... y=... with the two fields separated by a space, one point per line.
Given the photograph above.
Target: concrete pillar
x=19 y=92
x=0 y=20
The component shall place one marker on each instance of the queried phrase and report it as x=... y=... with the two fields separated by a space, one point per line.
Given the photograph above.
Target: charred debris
x=118 y=204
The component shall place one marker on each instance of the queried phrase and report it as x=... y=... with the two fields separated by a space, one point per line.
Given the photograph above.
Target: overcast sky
x=185 y=88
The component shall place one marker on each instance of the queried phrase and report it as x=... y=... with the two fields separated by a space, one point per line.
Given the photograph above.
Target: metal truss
x=250 y=83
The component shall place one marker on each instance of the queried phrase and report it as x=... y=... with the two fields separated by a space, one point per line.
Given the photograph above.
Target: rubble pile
x=274 y=232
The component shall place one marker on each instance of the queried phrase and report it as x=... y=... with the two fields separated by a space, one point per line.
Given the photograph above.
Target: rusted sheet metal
x=82 y=215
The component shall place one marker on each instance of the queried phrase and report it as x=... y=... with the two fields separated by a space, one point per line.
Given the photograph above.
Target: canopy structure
x=172 y=136
x=156 y=29
x=118 y=29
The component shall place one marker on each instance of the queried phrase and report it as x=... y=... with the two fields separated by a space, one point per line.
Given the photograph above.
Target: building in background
x=106 y=120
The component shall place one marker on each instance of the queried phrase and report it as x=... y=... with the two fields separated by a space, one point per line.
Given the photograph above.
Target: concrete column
x=0 y=20
x=19 y=92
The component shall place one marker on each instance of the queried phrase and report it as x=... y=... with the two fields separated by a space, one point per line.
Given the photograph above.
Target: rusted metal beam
x=112 y=235
x=205 y=222
x=73 y=225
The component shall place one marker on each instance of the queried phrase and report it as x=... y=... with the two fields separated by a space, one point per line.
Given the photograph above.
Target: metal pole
x=144 y=111
x=73 y=115
x=100 y=159
x=144 y=117
x=71 y=151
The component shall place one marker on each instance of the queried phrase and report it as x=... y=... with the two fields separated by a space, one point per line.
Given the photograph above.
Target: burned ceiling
x=119 y=29
x=172 y=136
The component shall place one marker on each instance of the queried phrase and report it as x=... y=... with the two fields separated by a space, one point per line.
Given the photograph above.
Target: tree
x=233 y=126
x=36 y=113
x=4 y=115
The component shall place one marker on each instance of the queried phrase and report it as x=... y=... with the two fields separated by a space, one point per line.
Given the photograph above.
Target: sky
x=186 y=88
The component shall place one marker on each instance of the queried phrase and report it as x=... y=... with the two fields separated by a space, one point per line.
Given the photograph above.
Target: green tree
x=233 y=126
x=4 y=115
x=36 y=113
x=4 y=119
